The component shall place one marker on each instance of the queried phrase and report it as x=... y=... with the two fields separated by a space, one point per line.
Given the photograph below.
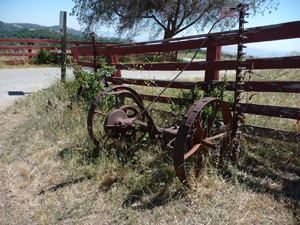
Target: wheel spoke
x=192 y=151
x=209 y=144
x=101 y=113
x=215 y=137
x=102 y=137
x=205 y=138
x=117 y=101
x=212 y=119
x=199 y=130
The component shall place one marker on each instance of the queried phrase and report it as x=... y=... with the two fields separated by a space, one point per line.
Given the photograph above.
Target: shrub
x=92 y=82
x=186 y=98
x=46 y=57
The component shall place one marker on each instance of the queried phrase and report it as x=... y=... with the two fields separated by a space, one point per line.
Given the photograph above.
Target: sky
x=46 y=13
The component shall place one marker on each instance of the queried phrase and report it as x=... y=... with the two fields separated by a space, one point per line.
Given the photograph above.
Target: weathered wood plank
x=155 y=83
x=161 y=99
x=270 y=86
x=260 y=34
x=47 y=41
x=270 y=110
x=212 y=54
x=258 y=63
x=287 y=30
x=289 y=62
x=18 y=54
x=257 y=34
x=256 y=86
x=257 y=109
x=283 y=135
x=26 y=54
x=17 y=47
x=17 y=61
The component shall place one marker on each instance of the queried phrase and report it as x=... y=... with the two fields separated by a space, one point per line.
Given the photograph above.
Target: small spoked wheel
x=110 y=99
x=203 y=139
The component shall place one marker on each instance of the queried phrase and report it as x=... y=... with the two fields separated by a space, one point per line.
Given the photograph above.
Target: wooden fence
x=30 y=47
x=211 y=66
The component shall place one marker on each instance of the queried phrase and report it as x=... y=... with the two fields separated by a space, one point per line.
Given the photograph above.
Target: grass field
x=51 y=173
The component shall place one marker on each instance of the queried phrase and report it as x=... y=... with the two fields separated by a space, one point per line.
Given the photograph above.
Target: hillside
x=34 y=31
x=40 y=34
x=6 y=27
x=15 y=26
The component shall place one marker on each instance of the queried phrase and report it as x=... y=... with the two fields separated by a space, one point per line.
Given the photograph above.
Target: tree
x=169 y=17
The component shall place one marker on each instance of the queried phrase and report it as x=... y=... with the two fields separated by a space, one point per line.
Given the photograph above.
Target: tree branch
x=195 y=21
x=176 y=14
x=186 y=15
x=159 y=23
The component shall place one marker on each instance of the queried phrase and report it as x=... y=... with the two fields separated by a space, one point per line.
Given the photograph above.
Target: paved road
x=26 y=80
x=30 y=80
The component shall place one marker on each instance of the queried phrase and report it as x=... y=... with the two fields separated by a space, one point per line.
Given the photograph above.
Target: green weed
x=46 y=57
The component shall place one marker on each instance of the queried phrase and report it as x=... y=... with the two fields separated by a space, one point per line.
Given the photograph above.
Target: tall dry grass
x=52 y=174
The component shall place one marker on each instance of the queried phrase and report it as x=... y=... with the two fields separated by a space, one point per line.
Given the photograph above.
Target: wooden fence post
x=93 y=35
x=212 y=54
x=175 y=56
x=29 y=51
x=63 y=48
x=114 y=59
x=75 y=53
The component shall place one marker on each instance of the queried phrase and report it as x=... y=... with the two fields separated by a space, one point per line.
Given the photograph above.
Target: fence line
x=30 y=46
x=211 y=66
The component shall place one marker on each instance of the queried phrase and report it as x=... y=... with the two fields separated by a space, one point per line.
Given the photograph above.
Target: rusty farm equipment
x=198 y=133
x=192 y=139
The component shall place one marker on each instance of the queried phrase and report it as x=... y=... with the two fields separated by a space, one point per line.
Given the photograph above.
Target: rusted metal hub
x=117 y=123
x=129 y=109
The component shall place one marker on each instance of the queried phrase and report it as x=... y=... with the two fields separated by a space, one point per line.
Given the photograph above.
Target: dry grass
x=23 y=66
x=279 y=99
x=50 y=173
x=191 y=55
x=4 y=66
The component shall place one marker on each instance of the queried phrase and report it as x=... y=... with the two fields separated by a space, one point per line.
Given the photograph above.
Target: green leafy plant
x=46 y=57
x=92 y=82
x=187 y=98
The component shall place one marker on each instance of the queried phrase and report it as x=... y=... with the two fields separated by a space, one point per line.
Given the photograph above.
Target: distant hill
x=40 y=34
x=6 y=27
x=69 y=30
x=16 y=26
x=35 y=31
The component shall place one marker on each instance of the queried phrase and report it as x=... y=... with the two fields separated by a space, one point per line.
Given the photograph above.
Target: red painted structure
x=30 y=46
x=211 y=66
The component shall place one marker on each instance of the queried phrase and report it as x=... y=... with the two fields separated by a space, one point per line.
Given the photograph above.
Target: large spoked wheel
x=110 y=99
x=204 y=137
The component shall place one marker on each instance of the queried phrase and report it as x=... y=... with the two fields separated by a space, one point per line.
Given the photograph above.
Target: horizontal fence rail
x=21 y=40
x=257 y=109
x=290 y=62
x=283 y=135
x=30 y=46
x=257 y=34
x=211 y=66
x=256 y=86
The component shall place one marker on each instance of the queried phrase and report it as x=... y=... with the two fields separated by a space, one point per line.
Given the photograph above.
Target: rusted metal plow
x=197 y=132
x=200 y=136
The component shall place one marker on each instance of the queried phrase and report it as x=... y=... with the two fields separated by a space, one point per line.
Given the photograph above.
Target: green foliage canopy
x=169 y=17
